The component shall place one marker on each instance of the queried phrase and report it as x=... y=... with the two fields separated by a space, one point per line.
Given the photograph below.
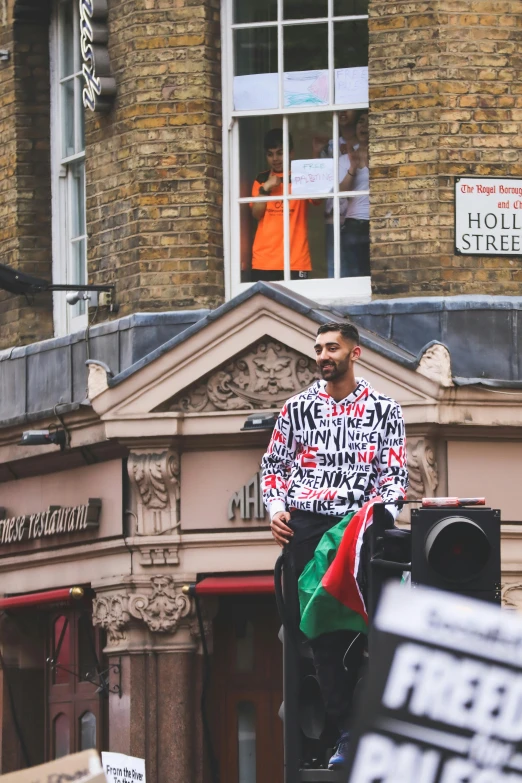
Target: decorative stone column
x=152 y=633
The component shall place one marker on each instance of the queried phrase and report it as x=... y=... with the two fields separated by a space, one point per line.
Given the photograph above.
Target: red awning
x=47 y=597
x=233 y=585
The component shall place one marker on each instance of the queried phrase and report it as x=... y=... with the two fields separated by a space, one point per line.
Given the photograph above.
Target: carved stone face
x=262 y=377
x=272 y=370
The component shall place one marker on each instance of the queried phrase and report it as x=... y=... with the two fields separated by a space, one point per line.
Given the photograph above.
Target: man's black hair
x=274 y=139
x=348 y=331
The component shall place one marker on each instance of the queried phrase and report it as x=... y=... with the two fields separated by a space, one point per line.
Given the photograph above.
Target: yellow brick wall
x=25 y=193
x=154 y=192
x=446 y=100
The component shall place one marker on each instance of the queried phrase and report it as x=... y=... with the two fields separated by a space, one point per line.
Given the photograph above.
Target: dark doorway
x=247 y=691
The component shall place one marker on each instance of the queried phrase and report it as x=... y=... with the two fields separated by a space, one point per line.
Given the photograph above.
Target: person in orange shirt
x=267 y=250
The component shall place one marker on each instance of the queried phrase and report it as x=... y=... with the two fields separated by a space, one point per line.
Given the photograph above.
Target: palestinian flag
x=331 y=585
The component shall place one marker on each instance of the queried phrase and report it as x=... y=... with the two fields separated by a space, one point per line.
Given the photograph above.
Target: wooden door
x=247 y=691
x=75 y=708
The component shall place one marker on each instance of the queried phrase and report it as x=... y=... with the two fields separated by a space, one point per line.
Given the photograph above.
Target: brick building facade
x=444 y=102
x=154 y=196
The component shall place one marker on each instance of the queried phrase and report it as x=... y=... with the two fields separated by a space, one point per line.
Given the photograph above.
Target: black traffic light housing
x=457 y=549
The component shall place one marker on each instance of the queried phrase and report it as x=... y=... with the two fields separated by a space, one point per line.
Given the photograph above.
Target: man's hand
x=280 y=530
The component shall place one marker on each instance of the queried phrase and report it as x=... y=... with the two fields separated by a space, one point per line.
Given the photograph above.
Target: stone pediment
x=253 y=356
x=264 y=376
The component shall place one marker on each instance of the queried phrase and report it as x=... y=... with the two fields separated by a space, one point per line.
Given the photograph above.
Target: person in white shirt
x=354 y=174
x=335 y=446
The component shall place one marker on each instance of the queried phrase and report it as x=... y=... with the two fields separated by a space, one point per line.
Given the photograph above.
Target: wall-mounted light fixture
x=4 y=55
x=56 y=437
x=260 y=421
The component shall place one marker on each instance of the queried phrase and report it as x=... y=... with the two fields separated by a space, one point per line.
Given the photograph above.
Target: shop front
x=171 y=499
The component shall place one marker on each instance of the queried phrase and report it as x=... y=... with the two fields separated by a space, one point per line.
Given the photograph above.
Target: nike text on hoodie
x=331 y=457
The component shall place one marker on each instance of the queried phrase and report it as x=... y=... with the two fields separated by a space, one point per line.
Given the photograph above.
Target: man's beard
x=334 y=371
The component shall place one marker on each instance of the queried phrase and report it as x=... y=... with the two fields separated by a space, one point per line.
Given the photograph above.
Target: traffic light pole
x=290 y=613
x=381 y=568
x=288 y=606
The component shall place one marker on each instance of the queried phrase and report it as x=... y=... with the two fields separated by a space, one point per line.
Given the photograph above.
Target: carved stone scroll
x=264 y=377
x=422 y=469
x=110 y=613
x=512 y=595
x=155 y=480
x=435 y=364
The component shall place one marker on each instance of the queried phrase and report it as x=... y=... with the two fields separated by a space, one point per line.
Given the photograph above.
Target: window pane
x=80 y=114
x=67 y=96
x=306 y=65
x=355 y=211
x=310 y=137
x=77 y=200
x=307 y=238
x=256 y=51
x=78 y=273
x=62 y=736
x=246 y=737
x=261 y=169
x=256 y=84
x=355 y=238
x=60 y=676
x=256 y=162
x=351 y=44
x=305 y=9
x=87 y=731
x=66 y=39
x=350 y=7
x=255 y=11
x=86 y=651
x=244 y=646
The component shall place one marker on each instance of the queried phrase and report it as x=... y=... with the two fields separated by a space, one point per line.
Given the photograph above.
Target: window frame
x=67 y=318
x=332 y=290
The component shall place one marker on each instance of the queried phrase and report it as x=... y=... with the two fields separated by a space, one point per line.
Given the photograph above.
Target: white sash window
x=67 y=164
x=298 y=67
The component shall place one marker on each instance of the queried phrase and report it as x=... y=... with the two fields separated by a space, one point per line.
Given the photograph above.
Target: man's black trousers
x=337 y=682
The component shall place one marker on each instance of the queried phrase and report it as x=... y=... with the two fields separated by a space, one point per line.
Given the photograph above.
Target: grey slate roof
x=483 y=334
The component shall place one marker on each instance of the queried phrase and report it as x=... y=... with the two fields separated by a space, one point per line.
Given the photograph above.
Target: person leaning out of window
x=268 y=247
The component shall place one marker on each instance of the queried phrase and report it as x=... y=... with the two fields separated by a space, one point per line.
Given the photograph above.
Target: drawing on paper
x=306 y=88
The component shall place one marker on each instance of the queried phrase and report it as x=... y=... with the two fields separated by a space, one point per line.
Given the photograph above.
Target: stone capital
x=147 y=613
x=155 y=482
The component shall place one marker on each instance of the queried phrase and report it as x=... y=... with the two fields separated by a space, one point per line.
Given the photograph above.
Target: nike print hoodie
x=331 y=457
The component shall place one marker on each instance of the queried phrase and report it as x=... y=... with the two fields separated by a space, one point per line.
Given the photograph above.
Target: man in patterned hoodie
x=336 y=445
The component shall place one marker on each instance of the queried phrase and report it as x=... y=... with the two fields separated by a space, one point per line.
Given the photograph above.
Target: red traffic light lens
x=457 y=549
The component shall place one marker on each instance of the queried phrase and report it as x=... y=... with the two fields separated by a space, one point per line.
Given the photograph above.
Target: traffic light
x=457 y=549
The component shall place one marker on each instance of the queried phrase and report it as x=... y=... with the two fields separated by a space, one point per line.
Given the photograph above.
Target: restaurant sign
x=249 y=501
x=100 y=86
x=55 y=521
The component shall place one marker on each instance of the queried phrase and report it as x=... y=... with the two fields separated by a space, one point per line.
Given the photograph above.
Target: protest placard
x=312 y=176
x=84 y=767
x=442 y=702
x=120 y=768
